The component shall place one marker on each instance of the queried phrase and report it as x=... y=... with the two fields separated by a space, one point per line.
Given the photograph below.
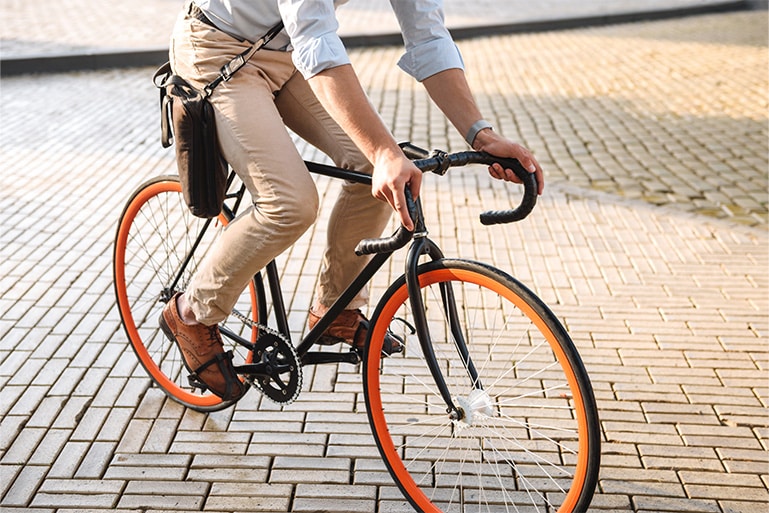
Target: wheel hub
x=476 y=407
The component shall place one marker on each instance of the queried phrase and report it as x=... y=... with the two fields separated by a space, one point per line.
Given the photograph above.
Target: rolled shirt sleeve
x=313 y=29
x=429 y=46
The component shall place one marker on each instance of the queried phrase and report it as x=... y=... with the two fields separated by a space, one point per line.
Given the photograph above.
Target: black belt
x=199 y=15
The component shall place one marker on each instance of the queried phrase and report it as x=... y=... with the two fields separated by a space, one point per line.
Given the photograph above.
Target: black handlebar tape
x=528 y=202
x=413 y=152
x=387 y=245
x=440 y=164
x=399 y=239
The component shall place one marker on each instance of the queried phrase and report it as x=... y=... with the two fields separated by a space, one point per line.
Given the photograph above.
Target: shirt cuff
x=431 y=57
x=318 y=54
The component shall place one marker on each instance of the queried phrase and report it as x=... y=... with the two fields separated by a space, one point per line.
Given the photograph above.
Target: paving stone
x=33 y=510
x=738 y=506
x=24 y=486
x=335 y=491
x=134 y=436
x=50 y=447
x=32 y=397
x=746 y=467
x=211 y=443
x=81 y=486
x=68 y=460
x=677 y=505
x=96 y=460
x=149 y=473
x=723 y=442
x=161 y=435
x=335 y=504
x=161 y=502
x=8 y=474
x=90 y=424
x=637 y=488
x=218 y=503
x=106 y=501
x=734 y=493
x=230 y=461
x=719 y=479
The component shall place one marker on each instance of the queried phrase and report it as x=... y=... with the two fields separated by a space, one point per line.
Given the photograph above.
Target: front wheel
x=527 y=434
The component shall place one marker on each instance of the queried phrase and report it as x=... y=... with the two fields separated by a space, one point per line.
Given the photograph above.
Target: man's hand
x=494 y=144
x=451 y=92
x=392 y=174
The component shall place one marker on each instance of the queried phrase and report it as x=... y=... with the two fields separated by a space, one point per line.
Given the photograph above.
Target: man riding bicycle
x=303 y=81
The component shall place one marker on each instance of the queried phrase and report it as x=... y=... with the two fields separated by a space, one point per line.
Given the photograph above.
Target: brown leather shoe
x=351 y=327
x=202 y=353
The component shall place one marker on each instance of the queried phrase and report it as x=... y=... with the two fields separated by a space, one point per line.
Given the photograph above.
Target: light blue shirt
x=311 y=32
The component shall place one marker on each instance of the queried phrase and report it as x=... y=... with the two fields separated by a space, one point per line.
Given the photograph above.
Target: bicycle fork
x=424 y=246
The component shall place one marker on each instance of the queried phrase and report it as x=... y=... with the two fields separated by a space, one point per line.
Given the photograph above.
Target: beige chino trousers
x=253 y=110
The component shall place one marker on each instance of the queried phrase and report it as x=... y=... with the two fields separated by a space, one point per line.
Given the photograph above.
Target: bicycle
x=487 y=407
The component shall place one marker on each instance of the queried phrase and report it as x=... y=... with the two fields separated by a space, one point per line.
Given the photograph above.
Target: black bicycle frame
x=420 y=246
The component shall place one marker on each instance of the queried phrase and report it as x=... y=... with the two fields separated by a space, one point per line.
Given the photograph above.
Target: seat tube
x=420 y=322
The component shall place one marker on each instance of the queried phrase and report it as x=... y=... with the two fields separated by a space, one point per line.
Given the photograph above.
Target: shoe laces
x=213 y=335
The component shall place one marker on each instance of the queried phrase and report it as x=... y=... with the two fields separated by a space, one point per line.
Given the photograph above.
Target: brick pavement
x=649 y=133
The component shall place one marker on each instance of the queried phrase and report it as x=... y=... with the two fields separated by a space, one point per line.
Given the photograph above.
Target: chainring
x=282 y=379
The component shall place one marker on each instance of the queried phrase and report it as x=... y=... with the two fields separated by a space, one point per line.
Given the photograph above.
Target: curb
x=157 y=56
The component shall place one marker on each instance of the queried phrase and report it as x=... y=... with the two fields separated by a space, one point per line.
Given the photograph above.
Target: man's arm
x=450 y=91
x=320 y=57
x=339 y=91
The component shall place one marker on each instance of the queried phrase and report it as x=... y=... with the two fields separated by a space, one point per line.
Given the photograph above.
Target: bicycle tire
x=529 y=439
x=155 y=235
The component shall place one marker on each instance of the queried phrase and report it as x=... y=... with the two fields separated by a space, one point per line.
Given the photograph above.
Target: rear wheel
x=158 y=248
x=527 y=437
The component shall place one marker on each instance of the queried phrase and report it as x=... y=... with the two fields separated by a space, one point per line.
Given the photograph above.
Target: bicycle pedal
x=401 y=341
x=195 y=382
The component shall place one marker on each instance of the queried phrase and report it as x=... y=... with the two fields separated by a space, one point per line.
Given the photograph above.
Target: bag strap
x=229 y=69
x=165 y=77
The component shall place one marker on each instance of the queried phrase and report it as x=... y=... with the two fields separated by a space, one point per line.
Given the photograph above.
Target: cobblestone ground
x=650 y=244
x=671 y=113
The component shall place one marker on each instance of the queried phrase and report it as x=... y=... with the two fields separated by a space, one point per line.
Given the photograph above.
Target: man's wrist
x=476 y=127
x=484 y=137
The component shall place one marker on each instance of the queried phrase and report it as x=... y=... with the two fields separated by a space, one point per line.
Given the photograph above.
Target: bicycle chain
x=281 y=393
x=262 y=327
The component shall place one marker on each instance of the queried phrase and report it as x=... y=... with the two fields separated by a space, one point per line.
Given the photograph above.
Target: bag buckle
x=231 y=67
x=225 y=73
